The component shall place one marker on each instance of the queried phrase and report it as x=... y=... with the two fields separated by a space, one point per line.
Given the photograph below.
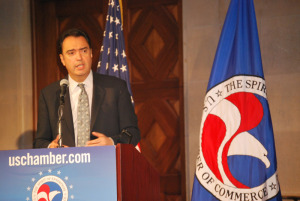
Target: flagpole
x=121 y=9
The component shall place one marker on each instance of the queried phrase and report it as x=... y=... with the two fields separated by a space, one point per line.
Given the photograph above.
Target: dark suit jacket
x=112 y=111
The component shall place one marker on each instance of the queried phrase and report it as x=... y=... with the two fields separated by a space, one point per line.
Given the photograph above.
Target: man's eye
x=71 y=53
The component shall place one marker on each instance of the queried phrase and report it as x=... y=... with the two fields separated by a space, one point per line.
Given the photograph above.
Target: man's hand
x=102 y=140
x=54 y=143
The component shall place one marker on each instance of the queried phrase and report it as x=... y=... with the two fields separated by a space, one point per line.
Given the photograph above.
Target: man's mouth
x=80 y=66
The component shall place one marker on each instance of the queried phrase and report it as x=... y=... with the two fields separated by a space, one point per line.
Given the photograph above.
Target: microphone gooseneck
x=64 y=83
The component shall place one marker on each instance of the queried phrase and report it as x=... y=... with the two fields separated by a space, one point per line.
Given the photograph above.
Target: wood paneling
x=155 y=48
x=153 y=39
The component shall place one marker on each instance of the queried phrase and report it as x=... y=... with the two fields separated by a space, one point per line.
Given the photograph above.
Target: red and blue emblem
x=44 y=192
x=50 y=187
x=235 y=159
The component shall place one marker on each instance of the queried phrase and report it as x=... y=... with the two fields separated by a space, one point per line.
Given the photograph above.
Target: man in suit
x=111 y=114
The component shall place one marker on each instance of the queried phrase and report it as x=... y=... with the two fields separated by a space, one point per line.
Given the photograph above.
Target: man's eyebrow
x=71 y=50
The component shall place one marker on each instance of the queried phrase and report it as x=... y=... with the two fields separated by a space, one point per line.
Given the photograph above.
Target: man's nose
x=78 y=55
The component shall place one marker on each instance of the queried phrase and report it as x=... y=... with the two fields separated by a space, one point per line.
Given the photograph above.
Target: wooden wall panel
x=154 y=44
x=153 y=39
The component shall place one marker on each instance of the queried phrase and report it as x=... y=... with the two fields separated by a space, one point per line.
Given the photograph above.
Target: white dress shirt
x=74 y=91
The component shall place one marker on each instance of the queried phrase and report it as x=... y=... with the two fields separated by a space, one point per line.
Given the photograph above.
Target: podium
x=108 y=173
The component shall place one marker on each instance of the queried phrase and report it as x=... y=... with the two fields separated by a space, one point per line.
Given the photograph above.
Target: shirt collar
x=88 y=82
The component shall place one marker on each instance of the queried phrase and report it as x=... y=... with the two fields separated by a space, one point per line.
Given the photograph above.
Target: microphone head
x=64 y=82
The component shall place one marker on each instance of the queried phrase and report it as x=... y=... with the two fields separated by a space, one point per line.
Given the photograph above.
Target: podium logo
x=50 y=187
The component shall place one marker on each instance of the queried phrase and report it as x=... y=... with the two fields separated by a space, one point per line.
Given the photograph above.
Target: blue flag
x=237 y=159
x=113 y=59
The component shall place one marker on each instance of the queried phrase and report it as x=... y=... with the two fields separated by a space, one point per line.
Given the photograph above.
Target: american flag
x=113 y=59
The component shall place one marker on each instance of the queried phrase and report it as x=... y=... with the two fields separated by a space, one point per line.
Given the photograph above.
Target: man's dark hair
x=72 y=32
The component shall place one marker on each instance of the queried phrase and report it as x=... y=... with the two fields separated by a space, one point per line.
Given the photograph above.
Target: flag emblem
x=232 y=141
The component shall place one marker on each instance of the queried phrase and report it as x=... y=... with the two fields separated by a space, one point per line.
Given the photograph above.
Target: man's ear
x=62 y=59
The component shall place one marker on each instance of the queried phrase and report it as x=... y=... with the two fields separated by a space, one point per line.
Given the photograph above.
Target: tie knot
x=81 y=85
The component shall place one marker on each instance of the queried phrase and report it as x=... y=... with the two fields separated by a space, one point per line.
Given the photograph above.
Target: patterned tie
x=83 y=118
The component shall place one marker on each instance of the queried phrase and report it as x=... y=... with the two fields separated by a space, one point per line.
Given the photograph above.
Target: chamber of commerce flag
x=237 y=159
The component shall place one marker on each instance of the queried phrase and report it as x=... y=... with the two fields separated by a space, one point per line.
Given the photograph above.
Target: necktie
x=83 y=118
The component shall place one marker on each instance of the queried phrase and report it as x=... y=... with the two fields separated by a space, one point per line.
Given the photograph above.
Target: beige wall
x=16 y=79
x=279 y=33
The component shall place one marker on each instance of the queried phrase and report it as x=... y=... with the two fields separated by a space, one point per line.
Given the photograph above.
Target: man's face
x=76 y=57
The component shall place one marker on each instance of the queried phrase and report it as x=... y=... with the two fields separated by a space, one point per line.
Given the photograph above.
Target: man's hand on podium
x=54 y=143
x=101 y=140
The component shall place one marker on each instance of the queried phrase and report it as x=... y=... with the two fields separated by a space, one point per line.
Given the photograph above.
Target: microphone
x=64 y=83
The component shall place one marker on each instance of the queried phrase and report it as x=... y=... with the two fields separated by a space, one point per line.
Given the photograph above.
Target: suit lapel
x=68 y=117
x=98 y=96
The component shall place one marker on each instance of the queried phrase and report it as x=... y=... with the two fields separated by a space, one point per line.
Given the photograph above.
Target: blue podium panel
x=66 y=174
